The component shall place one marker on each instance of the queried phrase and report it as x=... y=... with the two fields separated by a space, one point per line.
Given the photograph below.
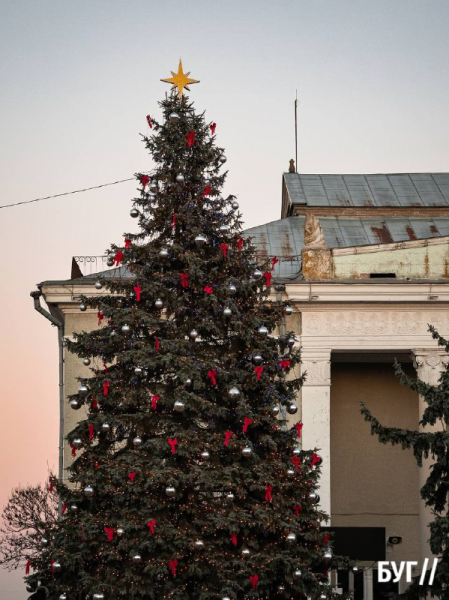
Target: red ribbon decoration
x=208 y=289
x=206 y=192
x=105 y=368
x=137 y=291
x=190 y=138
x=118 y=258
x=144 y=180
x=315 y=459
x=274 y=261
x=94 y=403
x=64 y=508
x=157 y=344
x=228 y=436
x=299 y=427
x=240 y=243
x=73 y=450
x=326 y=538
x=173 y=564
x=100 y=316
x=27 y=567
x=224 y=248
x=284 y=364
x=258 y=371
x=268 y=491
x=296 y=460
x=212 y=128
x=246 y=423
x=151 y=523
x=184 y=279
x=91 y=432
x=50 y=484
x=154 y=401
x=234 y=539
x=96 y=465
x=127 y=243
x=106 y=385
x=131 y=476
x=212 y=374
x=173 y=222
x=267 y=276
x=254 y=579
x=173 y=443
x=109 y=531
x=297 y=509
x=150 y=124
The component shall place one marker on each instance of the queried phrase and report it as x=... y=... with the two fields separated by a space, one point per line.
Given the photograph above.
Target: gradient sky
x=77 y=80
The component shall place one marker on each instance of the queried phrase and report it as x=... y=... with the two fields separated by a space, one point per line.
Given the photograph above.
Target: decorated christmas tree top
x=185 y=483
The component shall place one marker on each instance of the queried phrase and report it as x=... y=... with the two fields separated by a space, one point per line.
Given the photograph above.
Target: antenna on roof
x=296 y=131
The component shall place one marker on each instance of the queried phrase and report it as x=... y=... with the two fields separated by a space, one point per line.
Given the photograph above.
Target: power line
x=94 y=187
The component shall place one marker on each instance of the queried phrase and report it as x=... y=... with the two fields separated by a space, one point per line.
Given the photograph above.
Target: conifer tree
x=186 y=483
x=425 y=444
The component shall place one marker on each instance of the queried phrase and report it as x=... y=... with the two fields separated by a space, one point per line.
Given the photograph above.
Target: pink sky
x=78 y=80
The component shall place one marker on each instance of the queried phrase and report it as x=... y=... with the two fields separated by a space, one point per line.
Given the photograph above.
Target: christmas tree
x=427 y=444
x=186 y=483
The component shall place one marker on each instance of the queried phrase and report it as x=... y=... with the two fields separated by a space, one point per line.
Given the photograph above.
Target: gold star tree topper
x=180 y=80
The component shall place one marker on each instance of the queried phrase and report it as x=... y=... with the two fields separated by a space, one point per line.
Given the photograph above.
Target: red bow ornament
x=254 y=580
x=137 y=291
x=315 y=459
x=151 y=524
x=184 y=279
x=173 y=564
x=157 y=344
x=144 y=180
x=154 y=401
x=268 y=491
x=173 y=221
x=299 y=427
x=208 y=289
x=118 y=258
x=240 y=243
x=297 y=509
x=109 y=531
x=73 y=450
x=212 y=374
x=132 y=476
x=190 y=138
x=94 y=403
x=296 y=460
x=106 y=385
x=50 y=484
x=91 y=432
x=234 y=539
x=173 y=443
x=228 y=436
x=246 y=423
x=100 y=316
x=258 y=371
x=212 y=128
x=274 y=261
x=267 y=276
x=326 y=538
x=150 y=124
x=224 y=248
x=27 y=567
x=127 y=243
x=206 y=192
x=284 y=364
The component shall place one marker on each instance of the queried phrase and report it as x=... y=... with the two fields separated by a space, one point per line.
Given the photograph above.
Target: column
x=429 y=364
x=315 y=406
x=367 y=583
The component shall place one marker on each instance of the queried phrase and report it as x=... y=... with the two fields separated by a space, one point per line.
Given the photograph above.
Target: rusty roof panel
x=402 y=189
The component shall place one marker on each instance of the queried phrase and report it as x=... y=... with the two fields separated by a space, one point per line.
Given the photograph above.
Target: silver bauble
x=45 y=541
x=105 y=427
x=113 y=333
x=120 y=531
x=89 y=491
x=223 y=228
x=83 y=307
x=291 y=342
x=56 y=567
x=292 y=409
x=30 y=588
x=226 y=598
x=222 y=159
x=327 y=556
x=136 y=558
x=247 y=451
x=138 y=371
x=179 y=406
x=187 y=383
x=193 y=334
x=75 y=404
x=297 y=573
x=297 y=451
x=314 y=498
x=290 y=472
x=281 y=588
x=323 y=596
x=233 y=393
x=230 y=497
x=262 y=330
x=170 y=491
x=151 y=197
x=98 y=596
x=137 y=441
x=134 y=213
x=83 y=390
x=275 y=410
x=153 y=186
x=63 y=597
x=227 y=312
x=288 y=310
x=232 y=289
x=246 y=553
x=257 y=358
x=77 y=443
x=291 y=537
x=173 y=117
x=163 y=252
x=74 y=508
x=257 y=274
x=180 y=178
x=205 y=455
x=98 y=285
x=126 y=328
x=110 y=261
x=158 y=303
x=200 y=239
x=86 y=361
x=355 y=569
x=235 y=205
x=199 y=545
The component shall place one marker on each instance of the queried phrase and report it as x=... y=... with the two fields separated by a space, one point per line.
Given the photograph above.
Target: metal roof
x=381 y=190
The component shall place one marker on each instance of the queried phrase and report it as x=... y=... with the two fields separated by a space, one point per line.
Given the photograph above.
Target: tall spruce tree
x=187 y=484
x=425 y=444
